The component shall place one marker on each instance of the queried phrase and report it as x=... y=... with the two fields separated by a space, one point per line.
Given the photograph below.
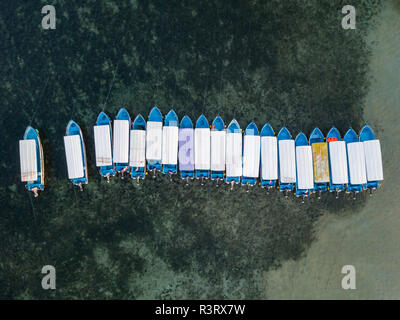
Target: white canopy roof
x=137 y=152
x=269 y=158
x=357 y=171
x=287 y=161
x=202 y=148
x=170 y=145
x=338 y=162
x=28 y=160
x=373 y=160
x=218 y=150
x=304 y=165
x=121 y=141
x=102 y=143
x=73 y=153
x=233 y=154
x=251 y=156
x=154 y=140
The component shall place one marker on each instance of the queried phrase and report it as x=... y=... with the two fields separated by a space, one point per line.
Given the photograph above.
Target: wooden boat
x=137 y=150
x=251 y=155
x=218 y=140
x=320 y=161
x=186 y=149
x=233 y=156
x=75 y=153
x=355 y=163
x=304 y=167
x=32 y=161
x=373 y=158
x=122 y=125
x=269 y=157
x=338 y=173
x=102 y=143
x=170 y=144
x=202 y=149
x=287 y=161
x=154 y=140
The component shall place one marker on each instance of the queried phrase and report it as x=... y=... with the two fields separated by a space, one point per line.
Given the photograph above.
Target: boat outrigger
x=233 y=153
x=373 y=158
x=218 y=140
x=202 y=149
x=186 y=149
x=122 y=125
x=355 y=163
x=338 y=173
x=304 y=167
x=320 y=161
x=287 y=161
x=102 y=143
x=269 y=157
x=32 y=161
x=251 y=155
x=154 y=141
x=170 y=144
x=137 y=152
x=75 y=153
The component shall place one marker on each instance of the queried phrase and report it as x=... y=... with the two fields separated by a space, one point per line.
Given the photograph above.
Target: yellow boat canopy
x=320 y=162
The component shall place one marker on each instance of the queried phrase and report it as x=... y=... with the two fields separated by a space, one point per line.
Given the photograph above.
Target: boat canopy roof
x=304 y=165
x=170 y=144
x=287 y=161
x=28 y=160
x=233 y=156
x=320 y=162
x=154 y=140
x=73 y=152
x=356 y=160
x=102 y=144
x=338 y=162
x=121 y=141
x=373 y=160
x=218 y=140
x=269 y=158
x=137 y=150
x=267 y=130
x=186 y=123
x=202 y=147
x=251 y=153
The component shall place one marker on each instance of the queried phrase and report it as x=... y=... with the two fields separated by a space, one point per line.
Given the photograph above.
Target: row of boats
x=302 y=165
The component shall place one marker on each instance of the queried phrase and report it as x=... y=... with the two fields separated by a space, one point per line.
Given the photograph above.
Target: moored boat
x=137 y=152
x=218 y=141
x=320 y=161
x=154 y=140
x=102 y=143
x=32 y=161
x=269 y=157
x=202 y=149
x=233 y=155
x=304 y=167
x=170 y=144
x=287 y=161
x=373 y=158
x=355 y=163
x=75 y=153
x=251 y=155
x=186 y=149
x=122 y=125
x=338 y=173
